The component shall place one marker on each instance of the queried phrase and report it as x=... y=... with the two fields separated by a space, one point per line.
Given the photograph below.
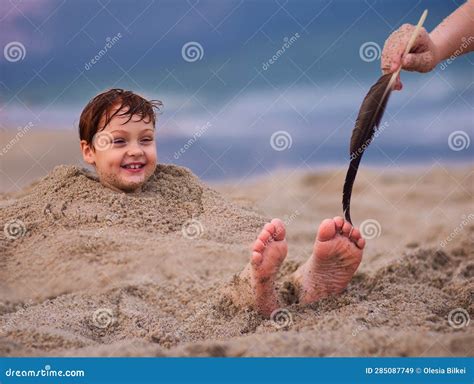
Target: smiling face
x=123 y=153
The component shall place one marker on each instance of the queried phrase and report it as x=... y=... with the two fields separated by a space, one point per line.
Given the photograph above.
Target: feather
x=368 y=120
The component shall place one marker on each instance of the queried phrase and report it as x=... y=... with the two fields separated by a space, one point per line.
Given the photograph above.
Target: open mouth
x=133 y=167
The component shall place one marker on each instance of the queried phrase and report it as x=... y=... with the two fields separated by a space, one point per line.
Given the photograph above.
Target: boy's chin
x=125 y=186
x=125 y=183
x=131 y=186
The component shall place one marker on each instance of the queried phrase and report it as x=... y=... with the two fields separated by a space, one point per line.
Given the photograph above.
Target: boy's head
x=117 y=133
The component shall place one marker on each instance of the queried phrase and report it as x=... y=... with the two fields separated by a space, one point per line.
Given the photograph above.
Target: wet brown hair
x=102 y=105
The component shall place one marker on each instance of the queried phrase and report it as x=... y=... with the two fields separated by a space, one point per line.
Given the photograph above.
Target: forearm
x=455 y=34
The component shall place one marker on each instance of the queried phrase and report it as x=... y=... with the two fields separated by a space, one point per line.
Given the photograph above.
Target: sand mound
x=67 y=232
x=89 y=271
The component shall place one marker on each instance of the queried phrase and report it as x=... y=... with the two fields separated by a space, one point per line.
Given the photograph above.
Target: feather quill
x=368 y=121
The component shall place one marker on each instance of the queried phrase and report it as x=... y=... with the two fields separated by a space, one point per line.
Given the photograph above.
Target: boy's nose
x=134 y=150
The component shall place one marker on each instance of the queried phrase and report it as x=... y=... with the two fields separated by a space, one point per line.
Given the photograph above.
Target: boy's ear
x=88 y=152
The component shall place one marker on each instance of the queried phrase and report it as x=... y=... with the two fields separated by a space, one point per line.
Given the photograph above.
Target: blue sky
x=312 y=91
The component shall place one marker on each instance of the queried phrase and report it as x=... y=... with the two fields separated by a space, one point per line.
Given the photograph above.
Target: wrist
x=437 y=49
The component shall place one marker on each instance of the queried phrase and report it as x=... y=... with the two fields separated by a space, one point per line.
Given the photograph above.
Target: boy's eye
x=147 y=139
x=119 y=141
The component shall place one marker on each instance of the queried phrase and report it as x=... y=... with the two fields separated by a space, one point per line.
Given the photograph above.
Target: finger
x=397 y=62
x=386 y=70
x=399 y=83
x=421 y=42
x=394 y=47
x=419 y=62
x=391 y=57
x=398 y=86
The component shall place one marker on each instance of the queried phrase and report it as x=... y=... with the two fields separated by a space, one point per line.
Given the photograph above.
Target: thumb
x=419 y=62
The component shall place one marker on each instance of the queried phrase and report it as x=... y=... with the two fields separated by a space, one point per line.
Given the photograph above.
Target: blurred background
x=248 y=87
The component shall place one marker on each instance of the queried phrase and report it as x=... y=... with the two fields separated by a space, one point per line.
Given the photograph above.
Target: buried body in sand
x=91 y=270
x=117 y=137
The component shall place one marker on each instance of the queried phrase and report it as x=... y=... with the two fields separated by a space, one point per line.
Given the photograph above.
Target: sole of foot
x=337 y=253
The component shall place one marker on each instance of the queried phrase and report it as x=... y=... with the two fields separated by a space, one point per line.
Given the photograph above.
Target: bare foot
x=336 y=255
x=268 y=253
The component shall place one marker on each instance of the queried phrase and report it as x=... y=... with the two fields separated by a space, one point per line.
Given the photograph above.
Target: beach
x=87 y=271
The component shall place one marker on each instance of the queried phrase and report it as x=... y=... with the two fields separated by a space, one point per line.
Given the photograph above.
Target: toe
x=361 y=243
x=346 y=229
x=339 y=223
x=269 y=227
x=265 y=235
x=257 y=258
x=327 y=230
x=280 y=231
x=258 y=246
x=355 y=235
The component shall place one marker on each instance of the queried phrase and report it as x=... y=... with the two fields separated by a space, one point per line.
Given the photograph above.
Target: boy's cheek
x=152 y=158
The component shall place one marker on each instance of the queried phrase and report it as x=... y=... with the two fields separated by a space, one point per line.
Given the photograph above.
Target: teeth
x=133 y=166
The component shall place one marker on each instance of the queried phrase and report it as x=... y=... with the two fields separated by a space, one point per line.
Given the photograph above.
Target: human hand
x=423 y=56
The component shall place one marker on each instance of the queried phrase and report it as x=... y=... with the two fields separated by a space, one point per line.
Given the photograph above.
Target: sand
x=86 y=271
